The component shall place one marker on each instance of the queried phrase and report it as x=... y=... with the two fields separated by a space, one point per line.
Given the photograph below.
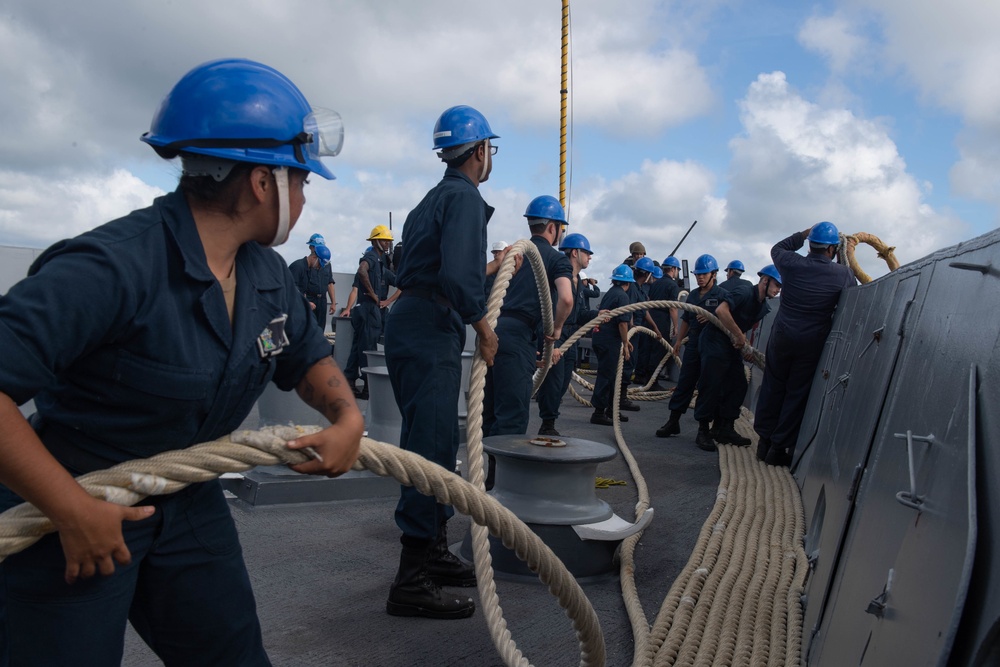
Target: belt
x=321 y=295
x=521 y=317
x=426 y=294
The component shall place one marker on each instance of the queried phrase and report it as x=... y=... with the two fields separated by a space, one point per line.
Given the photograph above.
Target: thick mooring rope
x=885 y=252
x=716 y=614
x=763 y=630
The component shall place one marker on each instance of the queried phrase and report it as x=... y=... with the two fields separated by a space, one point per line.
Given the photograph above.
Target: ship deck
x=321 y=571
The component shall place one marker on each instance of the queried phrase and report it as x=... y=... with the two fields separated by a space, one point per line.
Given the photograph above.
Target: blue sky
x=756 y=118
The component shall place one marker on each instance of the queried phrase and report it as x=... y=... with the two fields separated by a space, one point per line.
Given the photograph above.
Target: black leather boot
x=601 y=418
x=763 y=445
x=672 y=427
x=727 y=434
x=778 y=457
x=548 y=427
x=413 y=593
x=446 y=569
x=703 y=439
x=627 y=404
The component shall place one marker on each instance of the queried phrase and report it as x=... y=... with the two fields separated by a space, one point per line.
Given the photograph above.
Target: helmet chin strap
x=284 y=215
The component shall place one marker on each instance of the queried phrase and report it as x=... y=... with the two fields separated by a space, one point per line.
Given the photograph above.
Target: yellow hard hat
x=380 y=233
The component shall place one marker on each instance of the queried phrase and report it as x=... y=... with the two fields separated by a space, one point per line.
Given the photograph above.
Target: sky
x=757 y=119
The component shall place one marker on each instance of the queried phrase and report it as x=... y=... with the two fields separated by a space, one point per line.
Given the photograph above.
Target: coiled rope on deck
x=715 y=614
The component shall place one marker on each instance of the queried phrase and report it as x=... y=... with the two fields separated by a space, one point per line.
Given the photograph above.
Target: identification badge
x=272 y=340
x=711 y=303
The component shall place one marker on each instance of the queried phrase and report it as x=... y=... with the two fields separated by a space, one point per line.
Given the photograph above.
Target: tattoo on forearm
x=334 y=409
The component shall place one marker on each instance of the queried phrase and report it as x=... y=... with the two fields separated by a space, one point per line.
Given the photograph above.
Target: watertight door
x=901 y=581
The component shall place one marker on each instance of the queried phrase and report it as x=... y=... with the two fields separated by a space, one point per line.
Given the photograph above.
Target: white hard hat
x=583 y=276
x=499 y=245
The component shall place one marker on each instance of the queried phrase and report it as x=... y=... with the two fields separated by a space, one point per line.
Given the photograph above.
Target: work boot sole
x=668 y=431
x=399 y=609
x=548 y=431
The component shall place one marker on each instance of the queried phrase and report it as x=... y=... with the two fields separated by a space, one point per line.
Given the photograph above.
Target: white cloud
x=834 y=37
x=977 y=173
x=799 y=163
x=36 y=211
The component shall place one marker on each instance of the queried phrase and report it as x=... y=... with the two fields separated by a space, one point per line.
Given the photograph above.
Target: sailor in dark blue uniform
x=644 y=271
x=723 y=383
x=154 y=332
x=664 y=289
x=708 y=296
x=811 y=288
x=313 y=275
x=508 y=383
x=441 y=277
x=577 y=249
x=373 y=279
x=734 y=270
x=609 y=339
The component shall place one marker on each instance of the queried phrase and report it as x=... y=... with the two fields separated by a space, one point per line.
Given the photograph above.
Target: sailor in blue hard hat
x=577 y=249
x=441 y=277
x=184 y=317
x=638 y=366
x=313 y=275
x=708 y=296
x=811 y=288
x=734 y=270
x=663 y=289
x=723 y=383
x=506 y=406
x=609 y=340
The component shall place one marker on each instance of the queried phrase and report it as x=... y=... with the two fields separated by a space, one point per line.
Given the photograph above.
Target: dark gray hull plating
x=897 y=462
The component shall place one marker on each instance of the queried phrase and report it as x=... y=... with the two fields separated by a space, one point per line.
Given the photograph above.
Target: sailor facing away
x=811 y=288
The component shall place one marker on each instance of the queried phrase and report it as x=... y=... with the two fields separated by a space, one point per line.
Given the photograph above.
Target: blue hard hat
x=705 y=264
x=623 y=274
x=771 y=272
x=736 y=265
x=672 y=261
x=546 y=207
x=315 y=240
x=644 y=264
x=242 y=110
x=824 y=233
x=323 y=255
x=657 y=272
x=576 y=242
x=461 y=125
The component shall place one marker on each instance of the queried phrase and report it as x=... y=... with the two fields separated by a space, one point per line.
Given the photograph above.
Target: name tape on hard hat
x=442 y=133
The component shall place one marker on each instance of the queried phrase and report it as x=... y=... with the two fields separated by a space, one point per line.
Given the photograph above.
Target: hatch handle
x=911 y=498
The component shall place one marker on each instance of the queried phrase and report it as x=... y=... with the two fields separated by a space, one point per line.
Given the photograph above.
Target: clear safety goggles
x=324 y=130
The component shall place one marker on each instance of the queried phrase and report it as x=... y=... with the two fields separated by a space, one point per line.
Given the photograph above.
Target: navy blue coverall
x=366 y=316
x=122 y=337
x=608 y=345
x=664 y=289
x=313 y=282
x=441 y=276
x=506 y=407
x=687 y=382
x=723 y=381
x=557 y=380
x=810 y=289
